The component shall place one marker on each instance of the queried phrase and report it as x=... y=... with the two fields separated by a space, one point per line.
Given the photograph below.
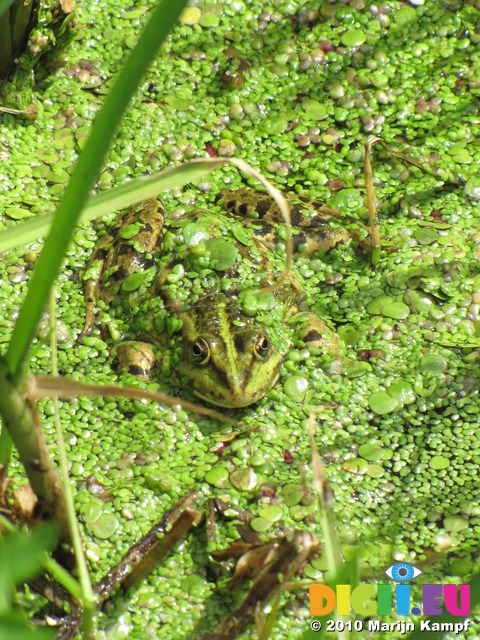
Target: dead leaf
x=25 y=500
x=67 y=5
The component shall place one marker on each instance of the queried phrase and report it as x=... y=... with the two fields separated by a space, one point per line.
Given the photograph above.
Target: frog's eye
x=201 y=351
x=261 y=346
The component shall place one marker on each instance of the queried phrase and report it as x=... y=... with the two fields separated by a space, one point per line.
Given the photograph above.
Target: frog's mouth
x=235 y=403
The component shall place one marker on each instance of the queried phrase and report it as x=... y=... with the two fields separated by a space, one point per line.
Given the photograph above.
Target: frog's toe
x=136 y=358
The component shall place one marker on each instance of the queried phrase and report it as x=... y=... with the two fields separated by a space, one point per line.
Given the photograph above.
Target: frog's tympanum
x=179 y=293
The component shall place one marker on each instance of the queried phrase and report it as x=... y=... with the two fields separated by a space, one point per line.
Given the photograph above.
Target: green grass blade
x=87 y=596
x=5 y=5
x=117 y=198
x=21 y=558
x=5 y=40
x=161 y=21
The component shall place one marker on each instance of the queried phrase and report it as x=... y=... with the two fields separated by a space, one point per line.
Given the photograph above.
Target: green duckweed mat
x=294 y=88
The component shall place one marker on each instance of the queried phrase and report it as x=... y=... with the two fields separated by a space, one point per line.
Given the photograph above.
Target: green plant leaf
x=114 y=199
x=21 y=557
x=5 y=5
x=14 y=627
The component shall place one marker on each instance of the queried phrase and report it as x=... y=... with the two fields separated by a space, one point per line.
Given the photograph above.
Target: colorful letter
x=322 y=600
x=361 y=599
x=451 y=599
x=343 y=599
x=402 y=593
x=432 y=594
x=384 y=592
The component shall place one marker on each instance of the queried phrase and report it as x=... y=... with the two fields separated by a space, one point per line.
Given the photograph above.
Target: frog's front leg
x=136 y=358
x=123 y=250
x=92 y=284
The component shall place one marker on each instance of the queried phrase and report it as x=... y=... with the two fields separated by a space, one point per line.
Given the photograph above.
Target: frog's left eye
x=261 y=347
x=403 y=572
x=201 y=351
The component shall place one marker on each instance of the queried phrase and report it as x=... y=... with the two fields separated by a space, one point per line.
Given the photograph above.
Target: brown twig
x=141 y=558
x=423 y=166
x=372 y=213
x=65 y=388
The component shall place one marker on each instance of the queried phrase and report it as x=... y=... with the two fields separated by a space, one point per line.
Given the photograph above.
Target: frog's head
x=227 y=359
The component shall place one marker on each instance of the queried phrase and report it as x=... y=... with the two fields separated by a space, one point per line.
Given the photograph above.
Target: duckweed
x=292 y=494
x=356 y=465
x=261 y=525
x=217 y=476
x=375 y=471
x=244 y=479
x=426 y=236
x=382 y=403
x=193 y=234
x=373 y=452
x=190 y=15
x=223 y=253
x=439 y=462
x=395 y=310
x=296 y=388
x=350 y=199
x=17 y=213
x=90 y=511
x=433 y=363
x=472 y=188
x=353 y=38
x=455 y=524
x=405 y=16
x=133 y=281
x=209 y=20
x=402 y=391
x=104 y=527
x=272 y=513
x=375 y=306
x=314 y=110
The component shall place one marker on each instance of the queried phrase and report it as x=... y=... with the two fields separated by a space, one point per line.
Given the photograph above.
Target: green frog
x=181 y=292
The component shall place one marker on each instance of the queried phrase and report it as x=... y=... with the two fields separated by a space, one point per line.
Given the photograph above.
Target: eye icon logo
x=402 y=572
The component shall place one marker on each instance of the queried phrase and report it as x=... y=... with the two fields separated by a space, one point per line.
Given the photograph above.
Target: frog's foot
x=136 y=358
x=316 y=334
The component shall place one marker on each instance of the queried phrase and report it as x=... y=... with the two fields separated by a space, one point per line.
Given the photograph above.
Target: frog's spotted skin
x=318 y=234
x=205 y=338
x=115 y=256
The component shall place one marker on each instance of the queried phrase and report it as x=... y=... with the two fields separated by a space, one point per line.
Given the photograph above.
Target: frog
x=191 y=293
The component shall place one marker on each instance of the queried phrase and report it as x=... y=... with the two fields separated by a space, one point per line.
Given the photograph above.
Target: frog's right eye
x=261 y=347
x=201 y=351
